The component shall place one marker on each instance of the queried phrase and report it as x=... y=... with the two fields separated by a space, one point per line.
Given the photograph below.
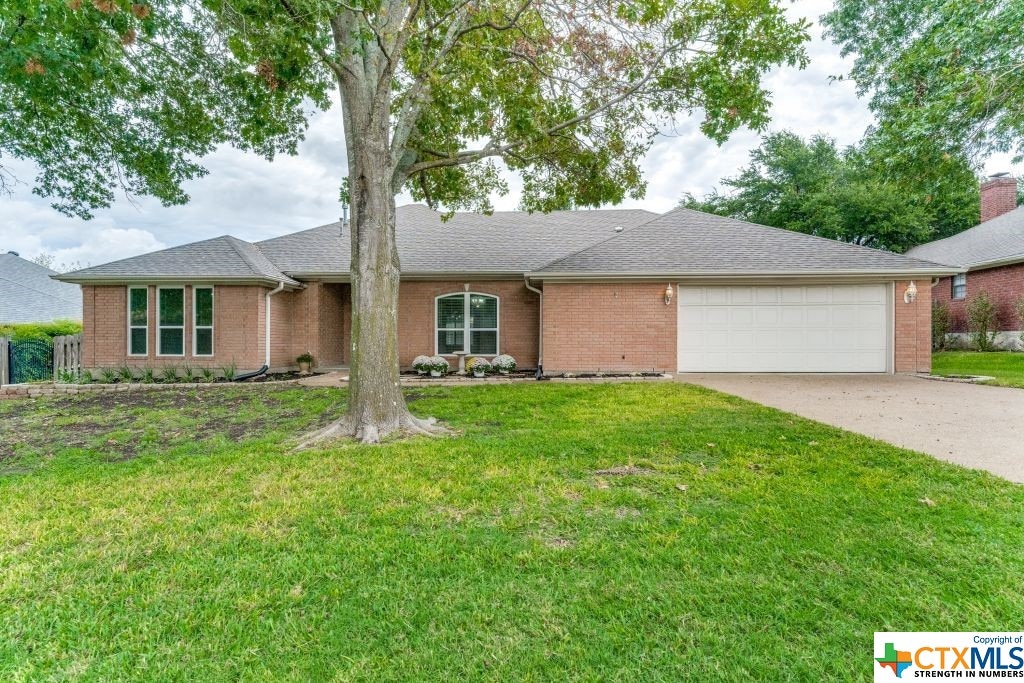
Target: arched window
x=467 y=322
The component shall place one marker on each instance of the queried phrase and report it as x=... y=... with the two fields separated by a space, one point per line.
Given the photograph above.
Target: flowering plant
x=504 y=363
x=421 y=364
x=478 y=365
x=438 y=364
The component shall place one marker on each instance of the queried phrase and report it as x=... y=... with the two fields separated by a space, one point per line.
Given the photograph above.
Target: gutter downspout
x=266 y=340
x=540 y=326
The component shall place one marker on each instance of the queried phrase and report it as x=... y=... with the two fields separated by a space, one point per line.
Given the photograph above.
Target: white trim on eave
x=727 y=276
x=997 y=263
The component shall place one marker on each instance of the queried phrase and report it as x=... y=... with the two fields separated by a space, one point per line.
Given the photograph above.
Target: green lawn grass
x=1005 y=367
x=171 y=535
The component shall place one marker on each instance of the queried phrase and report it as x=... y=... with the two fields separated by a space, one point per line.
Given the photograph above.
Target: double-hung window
x=170 y=339
x=960 y=286
x=467 y=322
x=138 y=321
x=202 y=321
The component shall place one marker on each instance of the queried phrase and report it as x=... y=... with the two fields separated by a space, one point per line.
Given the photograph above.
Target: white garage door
x=839 y=328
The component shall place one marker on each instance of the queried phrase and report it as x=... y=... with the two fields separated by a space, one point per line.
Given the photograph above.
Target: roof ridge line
x=245 y=257
x=591 y=246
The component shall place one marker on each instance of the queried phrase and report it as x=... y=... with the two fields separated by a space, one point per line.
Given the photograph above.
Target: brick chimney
x=998 y=195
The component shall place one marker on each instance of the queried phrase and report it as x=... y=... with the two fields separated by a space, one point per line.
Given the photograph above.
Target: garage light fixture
x=668 y=294
x=910 y=296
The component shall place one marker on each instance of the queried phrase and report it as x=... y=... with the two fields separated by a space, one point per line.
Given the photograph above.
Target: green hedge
x=22 y=331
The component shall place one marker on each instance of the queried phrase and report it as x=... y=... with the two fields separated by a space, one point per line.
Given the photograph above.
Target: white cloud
x=254 y=199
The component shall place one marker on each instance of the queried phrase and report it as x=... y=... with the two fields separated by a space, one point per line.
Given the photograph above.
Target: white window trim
x=195 y=327
x=466 y=330
x=131 y=327
x=159 y=351
x=953 y=286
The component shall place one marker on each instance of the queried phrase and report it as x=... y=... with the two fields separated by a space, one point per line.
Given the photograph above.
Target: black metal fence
x=27 y=360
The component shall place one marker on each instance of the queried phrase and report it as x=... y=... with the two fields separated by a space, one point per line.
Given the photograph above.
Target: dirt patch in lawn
x=124 y=425
x=625 y=471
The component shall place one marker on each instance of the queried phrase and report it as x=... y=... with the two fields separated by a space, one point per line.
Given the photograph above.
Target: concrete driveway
x=967 y=424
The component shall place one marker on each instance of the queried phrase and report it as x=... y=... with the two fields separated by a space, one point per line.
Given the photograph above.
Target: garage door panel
x=791 y=295
x=717 y=295
x=820 y=328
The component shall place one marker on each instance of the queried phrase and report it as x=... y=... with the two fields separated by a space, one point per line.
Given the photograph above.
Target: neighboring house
x=572 y=291
x=29 y=295
x=992 y=254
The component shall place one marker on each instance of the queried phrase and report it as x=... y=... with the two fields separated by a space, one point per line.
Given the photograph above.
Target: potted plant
x=504 y=363
x=438 y=366
x=478 y=366
x=421 y=364
x=305 y=361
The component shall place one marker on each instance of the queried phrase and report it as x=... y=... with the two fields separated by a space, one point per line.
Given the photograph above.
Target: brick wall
x=1005 y=285
x=518 y=321
x=335 y=318
x=612 y=327
x=237 y=329
x=913 y=327
x=998 y=195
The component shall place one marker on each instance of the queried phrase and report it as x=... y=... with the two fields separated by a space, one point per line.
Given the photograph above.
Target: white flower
x=504 y=362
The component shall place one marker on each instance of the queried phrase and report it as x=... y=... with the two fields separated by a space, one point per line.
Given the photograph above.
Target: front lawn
x=591 y=532
x=1006 y=367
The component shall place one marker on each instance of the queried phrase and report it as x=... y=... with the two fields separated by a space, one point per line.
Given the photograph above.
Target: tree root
x=344 y=428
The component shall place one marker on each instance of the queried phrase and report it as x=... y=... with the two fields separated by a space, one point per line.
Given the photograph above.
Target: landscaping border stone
x=40 y=390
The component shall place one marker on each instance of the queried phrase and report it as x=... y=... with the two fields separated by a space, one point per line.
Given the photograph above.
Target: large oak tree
x=111 y=94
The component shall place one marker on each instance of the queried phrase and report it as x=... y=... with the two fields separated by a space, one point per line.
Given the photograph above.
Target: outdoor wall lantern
x=910 y=296
x=668 y=294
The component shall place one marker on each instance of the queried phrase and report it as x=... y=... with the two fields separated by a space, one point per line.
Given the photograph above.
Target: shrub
x=108 y=375
x=66 y=377
x=421 y=364
x=478 y=364
x=229 y=371
x=504 y=363
x=84 y=377
x=208 y=374
x=981 y=322
x=307 y=357
x=169 y=374
x=125 y=373
x=148 y=376
x=940 y=325
x=23 y=331
x=188 y=372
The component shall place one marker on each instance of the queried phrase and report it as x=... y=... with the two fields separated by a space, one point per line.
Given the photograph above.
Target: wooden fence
x=5 y=359
x=67 y=354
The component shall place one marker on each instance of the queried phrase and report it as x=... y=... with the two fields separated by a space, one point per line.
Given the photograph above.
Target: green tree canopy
x=938 y=73
x=812 y=186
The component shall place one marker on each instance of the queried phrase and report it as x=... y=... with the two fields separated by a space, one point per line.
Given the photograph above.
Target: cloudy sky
x=252 y=199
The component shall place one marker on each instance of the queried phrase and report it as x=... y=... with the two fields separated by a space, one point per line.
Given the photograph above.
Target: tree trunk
x=376 y=405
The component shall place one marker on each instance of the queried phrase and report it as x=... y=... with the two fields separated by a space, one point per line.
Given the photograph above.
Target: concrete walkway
x=967 y=424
